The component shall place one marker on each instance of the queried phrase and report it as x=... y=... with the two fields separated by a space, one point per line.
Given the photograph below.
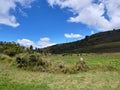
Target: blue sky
x=43 y=23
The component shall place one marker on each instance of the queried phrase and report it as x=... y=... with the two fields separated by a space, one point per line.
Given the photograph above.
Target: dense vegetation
x=100 y=42
x=30 y=59
x=36 y=62
x=10 y=48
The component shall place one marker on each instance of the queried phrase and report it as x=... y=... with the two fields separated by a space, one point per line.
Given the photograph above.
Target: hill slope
x=100 y=42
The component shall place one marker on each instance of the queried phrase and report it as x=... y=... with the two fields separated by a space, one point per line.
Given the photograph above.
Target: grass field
x=104 y=74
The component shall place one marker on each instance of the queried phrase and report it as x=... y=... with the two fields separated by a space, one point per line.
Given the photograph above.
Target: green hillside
x=10 y=48
x=108 y=41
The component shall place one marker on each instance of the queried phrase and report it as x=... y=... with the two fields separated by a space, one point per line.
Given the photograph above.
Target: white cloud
x=99 y=14
x=46 y=39
x=25 y=3
x=43 y=42
x=26 y=43
x=6 y=6
x=72 y=35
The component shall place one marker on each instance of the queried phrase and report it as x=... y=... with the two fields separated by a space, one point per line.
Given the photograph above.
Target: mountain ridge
x=90 y=44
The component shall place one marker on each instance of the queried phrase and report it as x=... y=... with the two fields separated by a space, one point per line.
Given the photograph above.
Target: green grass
x=7 y=84
x=12 y=78
x=112 y=59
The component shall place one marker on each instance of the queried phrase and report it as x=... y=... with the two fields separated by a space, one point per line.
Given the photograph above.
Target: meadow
x=103 y=74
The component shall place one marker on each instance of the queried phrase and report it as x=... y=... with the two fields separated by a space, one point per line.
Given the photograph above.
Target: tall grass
x=100 y=61
x=5 y=58
x=98 y=78
x=37 y=63
x=17 y=79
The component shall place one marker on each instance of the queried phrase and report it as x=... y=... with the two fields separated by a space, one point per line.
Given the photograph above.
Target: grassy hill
x=108 y=41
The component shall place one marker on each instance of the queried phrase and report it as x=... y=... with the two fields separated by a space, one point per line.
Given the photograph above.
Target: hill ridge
x=89 y=43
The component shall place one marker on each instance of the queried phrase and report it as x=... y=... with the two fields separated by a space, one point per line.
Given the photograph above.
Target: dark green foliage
x=89 y=43
x=32 y=61
x=22 y=61
x=30 y=49
x=10 y=52
x=10 y=48
x=35 y=62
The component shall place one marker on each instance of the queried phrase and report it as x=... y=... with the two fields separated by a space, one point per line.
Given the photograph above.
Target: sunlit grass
x=91 y=59
x=12 y=78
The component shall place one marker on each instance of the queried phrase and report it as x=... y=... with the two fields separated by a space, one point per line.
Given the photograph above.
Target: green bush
x=35 y=62
x=10 y=52
x=31 y=61
x=22 y=61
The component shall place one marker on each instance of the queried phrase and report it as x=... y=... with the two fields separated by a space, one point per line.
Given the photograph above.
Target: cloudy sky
x=43 y=23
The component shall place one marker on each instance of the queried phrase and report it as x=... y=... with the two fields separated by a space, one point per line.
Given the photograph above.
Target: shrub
x=10 y=52
x=81 y=66
x=22 y=61
x=35 y=62
x=32 y=61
